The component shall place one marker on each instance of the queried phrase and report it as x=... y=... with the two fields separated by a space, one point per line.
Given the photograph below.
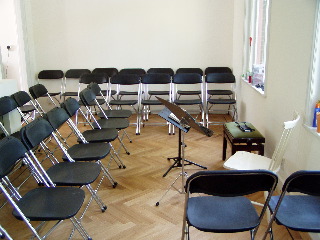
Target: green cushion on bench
x=236 y=132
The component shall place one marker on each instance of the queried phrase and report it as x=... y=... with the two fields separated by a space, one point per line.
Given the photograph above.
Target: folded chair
x=87 y=96
x=25 y=107
x=215 y=201
x=69 y=173
x=39 y=204
x=80 y=152
x=298 y=206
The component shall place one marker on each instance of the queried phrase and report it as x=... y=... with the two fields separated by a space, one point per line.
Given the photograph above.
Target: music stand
x=184 y=121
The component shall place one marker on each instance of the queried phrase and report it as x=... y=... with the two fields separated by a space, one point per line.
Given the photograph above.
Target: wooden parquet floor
x=131 y=213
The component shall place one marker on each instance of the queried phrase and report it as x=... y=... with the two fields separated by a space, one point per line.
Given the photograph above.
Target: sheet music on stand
x=181 y=118
x=173 y=119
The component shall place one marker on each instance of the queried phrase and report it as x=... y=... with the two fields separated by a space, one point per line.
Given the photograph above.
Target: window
x=256 y=32
x=314 y=84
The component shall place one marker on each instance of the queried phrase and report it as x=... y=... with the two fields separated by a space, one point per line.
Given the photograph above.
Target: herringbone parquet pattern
x=131 y=213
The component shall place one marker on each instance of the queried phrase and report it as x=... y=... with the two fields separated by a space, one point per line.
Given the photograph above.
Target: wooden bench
x=242 y=141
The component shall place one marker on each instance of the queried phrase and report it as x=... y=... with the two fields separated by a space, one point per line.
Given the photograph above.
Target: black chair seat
x=239 y=215
x=74 y=173
x=45 y=204
x=88 y=152
x=219 y=92
x=100 y=135
x=188 y=92
x=100 y=101
x=54 y=93
x=117 y=123
x=222 y=101
x=27 y=108
x=151 y=102
x=73 y=94
x=128 y=93
x=159 y=92
x=297 y=212
x=116 y=113
x=188 y=102
x=123 y=102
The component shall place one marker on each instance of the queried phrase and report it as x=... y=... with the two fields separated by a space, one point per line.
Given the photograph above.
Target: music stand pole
x=182 y=174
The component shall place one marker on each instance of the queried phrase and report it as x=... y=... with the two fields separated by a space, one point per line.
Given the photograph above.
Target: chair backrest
x=37 y=91
x=87 y=96
x=231 y=182
x=217 y=70
x=161 y=70
x=125 y=79
x=95 y=88
x=35 y=132
x=138 y=71
x=88 y=78
x=11 y=150
x=56 y=117
x=156 y=78
x=21 y=98
x=109 y=72
x=278 y=153
x=51 y=74
x=187 y=78
x=220 y=78
x=7 y=104
x=303 y=181
x=71 y=106
x=76 y=73
x=190 y=70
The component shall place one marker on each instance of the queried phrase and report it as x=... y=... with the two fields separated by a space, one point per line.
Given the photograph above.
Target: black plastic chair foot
x=128 y=153
x=114 y=185
x=157 y=204
x=124 y=166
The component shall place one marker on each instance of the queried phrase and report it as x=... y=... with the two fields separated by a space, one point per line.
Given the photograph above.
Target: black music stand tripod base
x=177 y=160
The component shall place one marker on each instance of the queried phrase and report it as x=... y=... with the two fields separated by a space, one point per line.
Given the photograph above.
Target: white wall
x=128 y=34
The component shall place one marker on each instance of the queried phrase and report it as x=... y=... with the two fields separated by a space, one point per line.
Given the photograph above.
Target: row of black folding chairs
x=205 y=97
x=141 y=97
x=83 y=160
x=217 y=201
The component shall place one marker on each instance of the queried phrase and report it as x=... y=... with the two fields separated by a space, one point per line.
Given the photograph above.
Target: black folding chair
x=39 y=204
x=87 y=96
x=25 y=107
x=69 y=173
x=298 y=206
x=80 y=152
x=224 y=208
x=71 y=106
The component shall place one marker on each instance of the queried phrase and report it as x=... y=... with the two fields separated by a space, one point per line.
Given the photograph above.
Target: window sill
x=312 y=130
x=259 y=90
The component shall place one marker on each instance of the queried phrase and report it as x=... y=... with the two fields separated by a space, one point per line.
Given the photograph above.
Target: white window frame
x=251 y=50
x=314 y=79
